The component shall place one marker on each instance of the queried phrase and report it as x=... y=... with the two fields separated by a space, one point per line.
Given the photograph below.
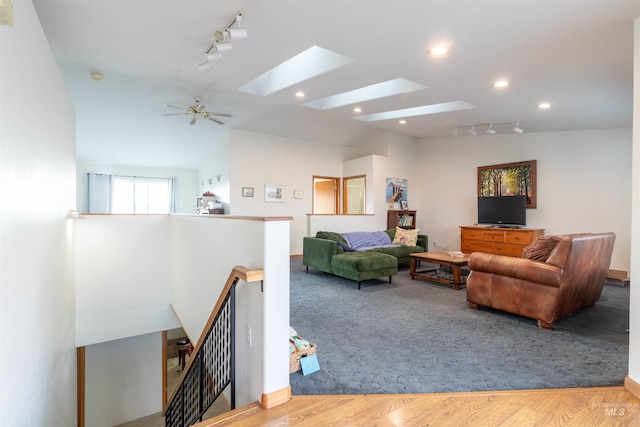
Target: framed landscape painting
x=509 y=179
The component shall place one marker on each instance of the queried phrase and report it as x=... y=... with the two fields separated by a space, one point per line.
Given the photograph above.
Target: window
x=132 y=194
x=354 y=194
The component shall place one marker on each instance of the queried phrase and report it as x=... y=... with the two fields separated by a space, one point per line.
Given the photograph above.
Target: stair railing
x=211 y=366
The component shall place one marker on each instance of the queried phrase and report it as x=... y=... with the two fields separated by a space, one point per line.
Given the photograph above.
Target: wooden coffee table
x=441 y=258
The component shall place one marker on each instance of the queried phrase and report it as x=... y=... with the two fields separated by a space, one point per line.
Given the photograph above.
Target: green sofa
x=329 y=252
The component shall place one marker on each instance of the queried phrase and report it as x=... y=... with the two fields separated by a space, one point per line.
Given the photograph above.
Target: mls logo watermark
x=616 y=409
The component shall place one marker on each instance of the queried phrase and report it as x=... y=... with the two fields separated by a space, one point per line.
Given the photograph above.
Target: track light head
x=473 y=131
x=223 y=46
x=204 y=66
x=455 y=132
x=517 y=128
x=491 y=130
x=213 y=56
x=237 y=33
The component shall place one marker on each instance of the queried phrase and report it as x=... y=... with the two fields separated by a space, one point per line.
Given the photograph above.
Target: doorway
x=326 y=195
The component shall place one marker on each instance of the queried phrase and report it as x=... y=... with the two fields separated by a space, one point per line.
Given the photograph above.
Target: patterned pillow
x=541 y=248
x=406 y=237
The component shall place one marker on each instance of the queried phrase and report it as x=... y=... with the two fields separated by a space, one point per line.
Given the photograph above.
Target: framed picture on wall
x=298 y=194
x=247 y=191
x=404 y=205
x=274 y=193
x=509 y=179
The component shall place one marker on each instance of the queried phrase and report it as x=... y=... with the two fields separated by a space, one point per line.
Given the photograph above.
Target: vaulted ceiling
x=575 y=55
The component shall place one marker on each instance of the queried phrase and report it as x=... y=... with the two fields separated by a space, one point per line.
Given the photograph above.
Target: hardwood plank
x=605 y=406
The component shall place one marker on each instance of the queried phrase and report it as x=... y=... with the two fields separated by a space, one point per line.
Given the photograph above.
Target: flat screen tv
x=503 y=211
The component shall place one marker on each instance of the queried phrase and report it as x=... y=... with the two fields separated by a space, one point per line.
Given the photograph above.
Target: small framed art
x=274 y=193
x=247 y=191
x=298 y=194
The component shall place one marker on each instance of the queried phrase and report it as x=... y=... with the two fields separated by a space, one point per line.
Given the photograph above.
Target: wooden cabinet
x=403 y=219
x=499 y=241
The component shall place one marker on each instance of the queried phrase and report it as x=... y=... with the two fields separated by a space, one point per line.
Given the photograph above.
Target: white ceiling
x=577 y=55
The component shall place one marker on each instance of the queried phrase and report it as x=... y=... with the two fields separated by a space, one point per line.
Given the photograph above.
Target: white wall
x=583 y=183
x=124 y=380
x=37 y=183
x=634 y=316
x=186 y=188
x=216 y=165
x=123 y=266
x=258 y=159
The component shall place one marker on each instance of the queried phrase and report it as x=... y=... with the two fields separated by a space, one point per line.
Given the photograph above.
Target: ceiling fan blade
x=173 y=114
x=200 y=108
x=215 y=120
x=193 y=120
x=221 y=114
x=171 y=106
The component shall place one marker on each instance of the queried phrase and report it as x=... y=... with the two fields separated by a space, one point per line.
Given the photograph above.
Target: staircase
x=211 y=367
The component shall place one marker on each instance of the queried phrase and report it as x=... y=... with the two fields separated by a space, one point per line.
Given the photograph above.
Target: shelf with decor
x=401 y=218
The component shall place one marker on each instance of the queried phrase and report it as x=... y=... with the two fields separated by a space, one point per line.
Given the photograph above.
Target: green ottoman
x=365 y=265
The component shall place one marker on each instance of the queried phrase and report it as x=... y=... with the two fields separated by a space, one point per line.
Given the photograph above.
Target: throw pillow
x=406 y=237
x=541 y=248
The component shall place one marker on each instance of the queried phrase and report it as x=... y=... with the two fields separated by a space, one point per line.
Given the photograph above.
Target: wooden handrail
x=237 y=273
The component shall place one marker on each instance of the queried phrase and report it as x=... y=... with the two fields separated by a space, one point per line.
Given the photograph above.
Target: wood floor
x=607 y=406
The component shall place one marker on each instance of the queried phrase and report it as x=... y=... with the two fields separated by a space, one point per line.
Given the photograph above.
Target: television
x=503 y=211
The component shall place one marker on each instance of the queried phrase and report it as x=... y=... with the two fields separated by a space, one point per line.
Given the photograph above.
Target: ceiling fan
x=196 y=111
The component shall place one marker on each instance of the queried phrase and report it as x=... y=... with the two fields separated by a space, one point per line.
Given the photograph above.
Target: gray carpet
x=415 y=336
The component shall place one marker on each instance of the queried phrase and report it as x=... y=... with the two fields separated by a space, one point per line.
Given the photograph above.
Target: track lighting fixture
x=489 y=130
x=222 y=41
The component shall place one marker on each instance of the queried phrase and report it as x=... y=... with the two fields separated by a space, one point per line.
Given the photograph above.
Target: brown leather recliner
x=558 y=276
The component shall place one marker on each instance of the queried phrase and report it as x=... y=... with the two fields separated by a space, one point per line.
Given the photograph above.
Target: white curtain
x=173 y=183
x=99 y=192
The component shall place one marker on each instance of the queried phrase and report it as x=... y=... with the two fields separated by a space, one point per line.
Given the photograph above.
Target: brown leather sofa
x=557 y=276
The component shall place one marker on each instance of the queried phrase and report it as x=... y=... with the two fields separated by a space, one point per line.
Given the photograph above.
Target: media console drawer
x=507 y=241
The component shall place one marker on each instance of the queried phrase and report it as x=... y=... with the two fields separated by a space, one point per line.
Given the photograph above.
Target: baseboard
x=632 y=387
x=276 y=398
x=295 y=256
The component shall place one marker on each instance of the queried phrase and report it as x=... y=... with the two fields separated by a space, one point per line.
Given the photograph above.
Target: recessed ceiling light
x=439 y=50
x=402 y=122
x=357 y=110
x=501 y=83
x=299 y=94
x=544 y=105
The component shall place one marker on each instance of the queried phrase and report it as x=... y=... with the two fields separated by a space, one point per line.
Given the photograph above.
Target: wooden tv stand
x=499 y=241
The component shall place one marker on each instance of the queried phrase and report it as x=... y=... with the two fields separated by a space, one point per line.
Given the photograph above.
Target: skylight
x=310 y=63
x=423 y=110
x=367 y=93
